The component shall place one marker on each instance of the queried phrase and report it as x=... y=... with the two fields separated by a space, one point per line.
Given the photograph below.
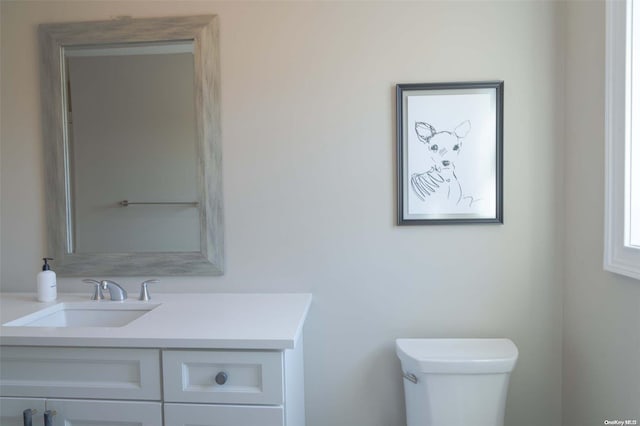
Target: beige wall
x=308 y=141
x=601 y=334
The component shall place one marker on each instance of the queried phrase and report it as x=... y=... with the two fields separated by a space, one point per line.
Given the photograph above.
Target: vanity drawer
x=252 y=377
x=222 y=415
x=80 y=372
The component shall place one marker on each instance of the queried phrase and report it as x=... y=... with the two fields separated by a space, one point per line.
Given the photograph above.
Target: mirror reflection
x=131 y=132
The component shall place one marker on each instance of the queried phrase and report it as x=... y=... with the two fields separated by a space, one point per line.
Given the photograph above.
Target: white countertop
x=271 y=321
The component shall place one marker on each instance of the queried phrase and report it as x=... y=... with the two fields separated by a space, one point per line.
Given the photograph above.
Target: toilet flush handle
x=410 y=377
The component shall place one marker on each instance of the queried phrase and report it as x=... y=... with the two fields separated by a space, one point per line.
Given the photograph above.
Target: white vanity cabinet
x=121 y=386
x=195 y=359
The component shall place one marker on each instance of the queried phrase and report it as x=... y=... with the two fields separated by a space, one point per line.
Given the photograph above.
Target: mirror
x=132 y=146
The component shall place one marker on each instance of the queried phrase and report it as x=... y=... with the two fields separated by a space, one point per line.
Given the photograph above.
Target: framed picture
x=449 y=152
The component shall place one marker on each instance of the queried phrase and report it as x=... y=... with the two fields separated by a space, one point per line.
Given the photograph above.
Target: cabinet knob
x=27 y=416
x=48 y=417
x=221 y=378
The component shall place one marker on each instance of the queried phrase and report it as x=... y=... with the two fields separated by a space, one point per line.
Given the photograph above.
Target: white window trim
x=618 y=258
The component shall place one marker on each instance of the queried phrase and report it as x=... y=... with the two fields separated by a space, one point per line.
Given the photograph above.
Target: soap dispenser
x=47 y=290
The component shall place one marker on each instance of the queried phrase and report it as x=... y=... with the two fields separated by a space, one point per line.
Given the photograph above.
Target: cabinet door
x=222 y=415
x=100 y=373
x=75 y=412
x=11 y=410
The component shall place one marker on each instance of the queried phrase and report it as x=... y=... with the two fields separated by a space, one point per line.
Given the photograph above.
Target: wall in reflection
x=132 y=137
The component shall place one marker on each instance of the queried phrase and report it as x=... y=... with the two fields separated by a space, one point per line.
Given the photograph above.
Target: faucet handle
x=97 y=294
x=144 y=291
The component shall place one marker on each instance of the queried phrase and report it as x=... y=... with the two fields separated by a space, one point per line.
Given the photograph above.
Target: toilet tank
x=456 y=381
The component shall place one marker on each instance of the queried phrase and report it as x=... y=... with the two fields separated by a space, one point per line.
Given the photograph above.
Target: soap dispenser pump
x=47 y=290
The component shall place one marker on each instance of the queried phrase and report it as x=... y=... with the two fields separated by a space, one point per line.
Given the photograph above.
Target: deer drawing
x=443 y=148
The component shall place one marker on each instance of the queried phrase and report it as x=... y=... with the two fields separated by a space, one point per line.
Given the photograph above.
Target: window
x=622 y=133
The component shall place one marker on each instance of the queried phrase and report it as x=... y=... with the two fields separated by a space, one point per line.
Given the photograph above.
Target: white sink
x=84 y=314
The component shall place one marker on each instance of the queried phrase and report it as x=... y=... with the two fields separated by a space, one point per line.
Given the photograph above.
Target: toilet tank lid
x=462 y=356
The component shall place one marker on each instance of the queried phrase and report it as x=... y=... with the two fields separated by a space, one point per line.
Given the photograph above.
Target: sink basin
x=92 y=314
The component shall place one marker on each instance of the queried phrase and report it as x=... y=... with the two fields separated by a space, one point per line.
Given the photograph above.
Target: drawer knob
x=221 y=378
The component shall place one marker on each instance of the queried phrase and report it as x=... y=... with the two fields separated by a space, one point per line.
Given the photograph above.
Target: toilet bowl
x=456 y=382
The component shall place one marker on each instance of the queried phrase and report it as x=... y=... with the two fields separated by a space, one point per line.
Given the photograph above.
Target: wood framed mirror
x=131 y=125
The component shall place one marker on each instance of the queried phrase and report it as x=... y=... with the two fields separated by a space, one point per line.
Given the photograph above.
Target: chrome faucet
x=115 y=291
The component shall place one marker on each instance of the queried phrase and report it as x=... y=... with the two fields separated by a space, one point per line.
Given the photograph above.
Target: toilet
x=456 y=382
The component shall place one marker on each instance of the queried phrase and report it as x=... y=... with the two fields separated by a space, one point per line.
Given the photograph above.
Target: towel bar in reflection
x=126 y=203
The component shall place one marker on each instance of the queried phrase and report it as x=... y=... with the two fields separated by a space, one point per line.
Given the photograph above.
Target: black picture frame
x=450 y=153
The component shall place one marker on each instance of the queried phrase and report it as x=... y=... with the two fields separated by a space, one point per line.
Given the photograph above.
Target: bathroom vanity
x=205 y=359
